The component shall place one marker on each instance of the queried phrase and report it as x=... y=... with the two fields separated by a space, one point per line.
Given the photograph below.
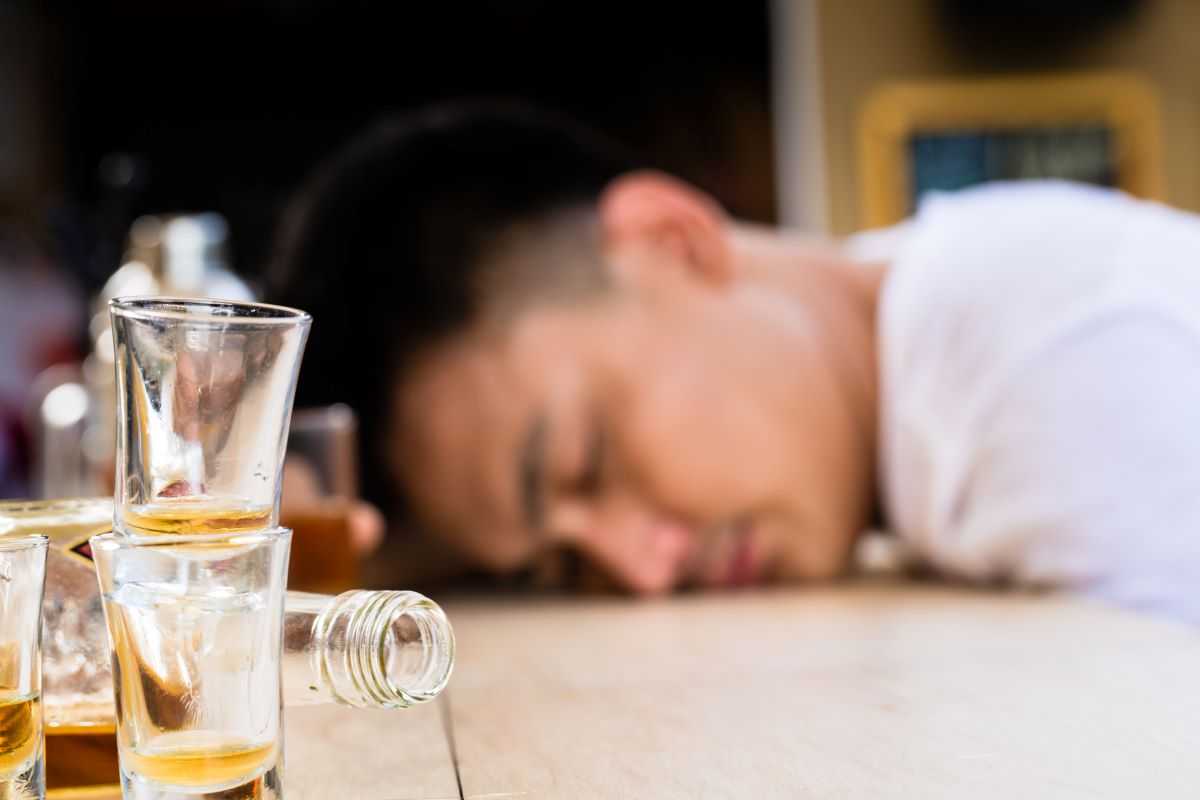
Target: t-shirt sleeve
x=1084 y=473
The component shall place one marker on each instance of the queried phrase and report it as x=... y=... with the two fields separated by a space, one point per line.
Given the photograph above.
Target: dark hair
x=385 y=243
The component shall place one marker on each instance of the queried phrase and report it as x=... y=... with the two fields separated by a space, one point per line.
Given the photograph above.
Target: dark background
x=227 y=105
x=145 y=106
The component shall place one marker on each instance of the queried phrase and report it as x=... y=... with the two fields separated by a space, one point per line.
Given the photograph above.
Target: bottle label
x=80 y=550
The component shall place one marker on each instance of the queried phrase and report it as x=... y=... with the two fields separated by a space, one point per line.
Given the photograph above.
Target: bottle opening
x=417 y=652
x=389 y=649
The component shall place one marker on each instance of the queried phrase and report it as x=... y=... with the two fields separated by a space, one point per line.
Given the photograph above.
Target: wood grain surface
x=873 y=692
x=340 y=753
x=868 y=691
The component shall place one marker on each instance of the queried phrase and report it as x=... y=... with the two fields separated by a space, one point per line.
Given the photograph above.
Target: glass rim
x=29 y=541
x=207 y=311
x=115 y=540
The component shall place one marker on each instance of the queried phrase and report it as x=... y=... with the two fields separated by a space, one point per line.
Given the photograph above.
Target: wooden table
x=867 y=691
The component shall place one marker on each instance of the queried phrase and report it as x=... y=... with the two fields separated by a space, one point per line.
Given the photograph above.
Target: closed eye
x=590 y=480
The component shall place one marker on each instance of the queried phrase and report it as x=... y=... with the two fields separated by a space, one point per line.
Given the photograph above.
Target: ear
x=652 y=209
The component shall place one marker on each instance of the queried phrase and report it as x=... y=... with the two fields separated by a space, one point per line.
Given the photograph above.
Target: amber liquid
x=20 y=732
x=196 y=515
x=187 y=760
x=173 y=657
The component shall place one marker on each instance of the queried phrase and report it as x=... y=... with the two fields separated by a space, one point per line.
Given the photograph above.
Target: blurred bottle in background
x=72 y=410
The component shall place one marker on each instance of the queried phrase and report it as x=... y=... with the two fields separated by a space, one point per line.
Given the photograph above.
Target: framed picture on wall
x=917 y=137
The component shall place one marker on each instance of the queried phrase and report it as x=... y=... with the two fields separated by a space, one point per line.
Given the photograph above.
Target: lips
x=743 y=561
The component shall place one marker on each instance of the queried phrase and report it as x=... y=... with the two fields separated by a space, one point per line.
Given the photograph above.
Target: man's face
x=674 y=430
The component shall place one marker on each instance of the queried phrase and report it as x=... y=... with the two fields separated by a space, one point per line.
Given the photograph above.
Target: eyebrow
x=530 y=472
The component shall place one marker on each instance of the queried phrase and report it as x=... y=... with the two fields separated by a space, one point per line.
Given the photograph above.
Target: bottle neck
x=389 y=649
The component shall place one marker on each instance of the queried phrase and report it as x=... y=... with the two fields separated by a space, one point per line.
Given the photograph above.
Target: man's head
x=549 y=347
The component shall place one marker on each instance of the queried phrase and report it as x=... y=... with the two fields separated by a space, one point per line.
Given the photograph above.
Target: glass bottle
x=382 y=649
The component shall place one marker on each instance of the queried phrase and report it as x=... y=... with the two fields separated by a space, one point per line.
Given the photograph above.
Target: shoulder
x=1085 y=471
x=988 y=278
x=1040 y=371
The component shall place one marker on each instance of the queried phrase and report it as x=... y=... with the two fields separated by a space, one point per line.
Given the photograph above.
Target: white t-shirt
x=1040 y=390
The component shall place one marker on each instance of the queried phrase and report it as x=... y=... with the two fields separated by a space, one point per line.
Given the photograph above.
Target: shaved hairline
x=555 y=258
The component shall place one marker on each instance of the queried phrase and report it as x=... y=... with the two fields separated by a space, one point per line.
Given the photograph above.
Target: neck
x=841 y=297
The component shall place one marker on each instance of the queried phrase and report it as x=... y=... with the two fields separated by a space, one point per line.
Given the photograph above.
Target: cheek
x=700 y=444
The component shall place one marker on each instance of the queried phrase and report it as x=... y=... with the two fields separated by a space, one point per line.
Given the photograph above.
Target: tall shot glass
x=195 y=631
x=22 y=745
x=204 y=398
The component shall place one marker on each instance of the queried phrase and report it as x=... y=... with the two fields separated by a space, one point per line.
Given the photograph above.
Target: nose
x=644 y=550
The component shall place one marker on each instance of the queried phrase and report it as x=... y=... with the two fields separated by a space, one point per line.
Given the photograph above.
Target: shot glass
x=22 y=744
x=204 y=397
x=195 y=632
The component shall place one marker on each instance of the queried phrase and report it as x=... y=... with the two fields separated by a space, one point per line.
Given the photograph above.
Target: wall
x=865 y=42
x=796 y=112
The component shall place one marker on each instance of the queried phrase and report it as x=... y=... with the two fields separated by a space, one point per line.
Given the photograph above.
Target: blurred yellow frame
x=895 y=112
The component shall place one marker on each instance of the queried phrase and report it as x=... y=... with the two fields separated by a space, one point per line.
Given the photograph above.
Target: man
x=550 y=347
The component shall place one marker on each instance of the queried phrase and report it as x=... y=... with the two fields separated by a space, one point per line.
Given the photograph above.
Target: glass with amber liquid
x=195 y=626
x=204 y=400
x=21 y=767
x=195 y=515
x=22 y=747
x=203 y=657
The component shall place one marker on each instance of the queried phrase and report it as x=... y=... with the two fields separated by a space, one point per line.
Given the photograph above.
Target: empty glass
x=22 y=747
x=204 y=396
x=195 y=629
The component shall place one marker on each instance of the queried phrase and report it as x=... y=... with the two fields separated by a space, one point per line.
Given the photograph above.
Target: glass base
x=28 y=784
x=267 y=786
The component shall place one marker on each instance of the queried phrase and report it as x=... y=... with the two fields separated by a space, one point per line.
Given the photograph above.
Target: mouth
x=729 y=556
x=743 y=566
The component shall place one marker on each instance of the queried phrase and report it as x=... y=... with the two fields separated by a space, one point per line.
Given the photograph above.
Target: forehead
x=465 y=411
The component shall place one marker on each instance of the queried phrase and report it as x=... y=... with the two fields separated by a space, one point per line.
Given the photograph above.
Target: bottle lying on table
x=370 y=649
